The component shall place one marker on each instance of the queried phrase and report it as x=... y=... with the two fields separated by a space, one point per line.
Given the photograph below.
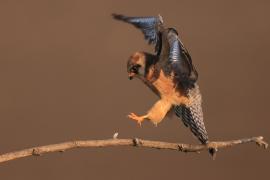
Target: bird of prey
x=169 y=73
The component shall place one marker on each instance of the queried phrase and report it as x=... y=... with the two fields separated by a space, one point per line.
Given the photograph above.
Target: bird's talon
x=134 y=117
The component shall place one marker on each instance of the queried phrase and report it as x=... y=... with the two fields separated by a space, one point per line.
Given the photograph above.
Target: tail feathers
x=192 y=116
x=193 y=120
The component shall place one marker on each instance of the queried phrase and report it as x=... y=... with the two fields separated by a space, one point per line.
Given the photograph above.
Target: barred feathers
x=192 y=115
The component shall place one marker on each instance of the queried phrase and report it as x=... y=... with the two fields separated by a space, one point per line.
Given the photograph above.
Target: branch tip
x=260 y=142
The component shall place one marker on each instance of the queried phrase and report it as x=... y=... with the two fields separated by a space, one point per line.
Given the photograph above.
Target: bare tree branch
x=61 y=147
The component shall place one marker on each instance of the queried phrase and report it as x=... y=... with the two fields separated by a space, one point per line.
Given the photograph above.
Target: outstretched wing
x=192 y=115
x=150 y=26
x=177 y=58
x=180 y=61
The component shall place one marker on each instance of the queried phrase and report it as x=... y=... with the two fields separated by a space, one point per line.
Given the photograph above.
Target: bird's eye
x=134 y=69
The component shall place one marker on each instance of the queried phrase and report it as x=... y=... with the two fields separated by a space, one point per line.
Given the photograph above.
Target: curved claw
x=134 y=117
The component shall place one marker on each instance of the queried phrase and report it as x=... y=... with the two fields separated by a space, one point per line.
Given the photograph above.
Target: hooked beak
x=131 y=75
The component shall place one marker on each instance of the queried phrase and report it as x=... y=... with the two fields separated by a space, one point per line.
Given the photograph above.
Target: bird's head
x=136 y=65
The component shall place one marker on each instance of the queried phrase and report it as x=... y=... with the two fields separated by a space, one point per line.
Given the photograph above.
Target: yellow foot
x=134 y=117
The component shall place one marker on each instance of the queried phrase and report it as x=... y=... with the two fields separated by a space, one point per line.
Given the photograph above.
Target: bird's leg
x=155 y=114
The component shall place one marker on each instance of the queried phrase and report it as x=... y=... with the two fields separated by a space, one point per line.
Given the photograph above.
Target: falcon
x=169 y=73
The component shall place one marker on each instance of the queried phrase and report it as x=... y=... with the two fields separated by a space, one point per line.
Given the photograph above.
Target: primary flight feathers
x=148 y=25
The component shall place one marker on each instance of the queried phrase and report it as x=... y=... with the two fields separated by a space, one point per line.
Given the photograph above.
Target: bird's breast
x=167 y=89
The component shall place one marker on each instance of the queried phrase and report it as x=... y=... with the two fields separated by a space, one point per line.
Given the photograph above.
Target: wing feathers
x=150 y=26
x=180 y=61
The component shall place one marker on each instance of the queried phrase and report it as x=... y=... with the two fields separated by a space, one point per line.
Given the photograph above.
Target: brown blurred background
x=63 y=77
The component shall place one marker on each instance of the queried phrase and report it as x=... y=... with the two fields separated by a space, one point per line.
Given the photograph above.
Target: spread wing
x=166 y=41
x=180 y=61
x=192 y=115
x=150 y=26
